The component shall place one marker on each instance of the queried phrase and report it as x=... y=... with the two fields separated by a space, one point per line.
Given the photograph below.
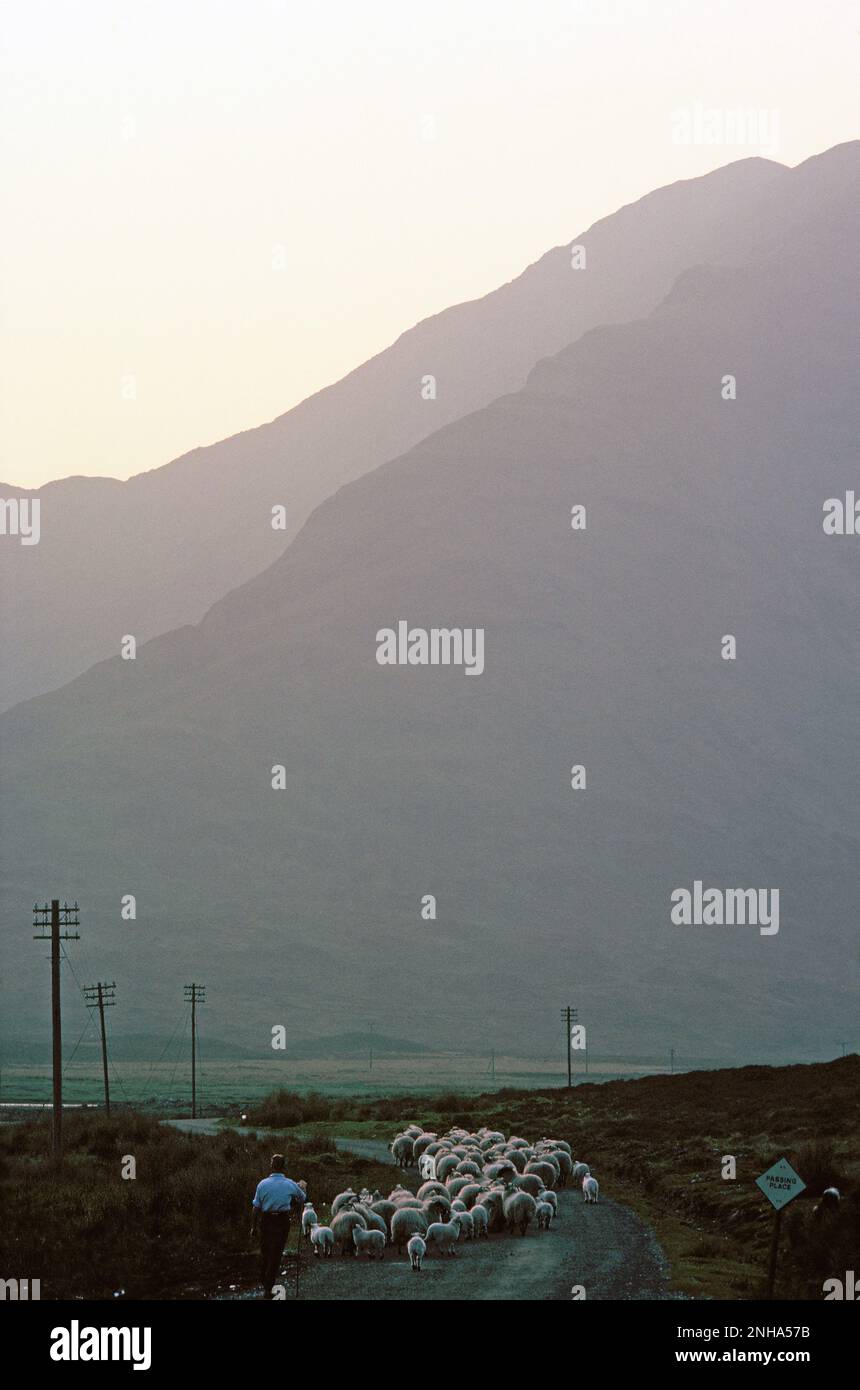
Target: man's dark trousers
x=274 y=1230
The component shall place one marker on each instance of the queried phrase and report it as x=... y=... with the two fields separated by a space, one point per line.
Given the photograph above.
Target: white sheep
x=416 y=1249
x=444 y=1235
x=590 y=1189
x=551 y=1198
x=369 y=1243
x=467 y=1226
x=407 y=1222
x=343 y=1226
x=322 y=1240
x=544 y=1215
x=402 y=1150
x=373 y=1220
x=580 y=1171
x=479 y=1221
x=309 y=1220
x=343 y=1199
x=427 y=1166
x=519 y=1210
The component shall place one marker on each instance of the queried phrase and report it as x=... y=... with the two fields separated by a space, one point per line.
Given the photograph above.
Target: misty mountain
x=603 y=648
x=148 y=555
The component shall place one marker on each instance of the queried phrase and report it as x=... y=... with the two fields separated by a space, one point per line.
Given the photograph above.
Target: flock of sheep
x=471 y=1184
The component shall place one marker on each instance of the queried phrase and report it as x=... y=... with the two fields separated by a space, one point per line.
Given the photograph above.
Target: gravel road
x=605 y=1249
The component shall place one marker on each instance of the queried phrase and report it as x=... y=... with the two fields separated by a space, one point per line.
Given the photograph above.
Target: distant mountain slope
x=147 y=555
x=603 y=648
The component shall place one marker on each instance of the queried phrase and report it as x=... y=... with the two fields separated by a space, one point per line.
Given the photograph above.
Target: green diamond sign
x=780 y=1184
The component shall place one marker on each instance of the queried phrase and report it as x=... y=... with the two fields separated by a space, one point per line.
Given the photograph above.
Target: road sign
x=780 y=1184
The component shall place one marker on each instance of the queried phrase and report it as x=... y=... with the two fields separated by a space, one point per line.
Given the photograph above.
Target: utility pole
x=672 y=1061
x=194 y=995
x=56 y=929
x=102 y=997
x=372 y=1026
x=569 y=1016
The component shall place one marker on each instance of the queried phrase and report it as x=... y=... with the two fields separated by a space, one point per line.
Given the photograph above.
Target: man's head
x=278 y=1163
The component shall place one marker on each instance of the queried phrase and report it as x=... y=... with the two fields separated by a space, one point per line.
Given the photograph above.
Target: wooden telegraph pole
x=102 y=997
x=53 y=925
x=194 y=995
x=569 y=1016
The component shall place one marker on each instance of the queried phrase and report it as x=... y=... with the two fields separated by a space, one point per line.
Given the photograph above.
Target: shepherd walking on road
x=275 y=1198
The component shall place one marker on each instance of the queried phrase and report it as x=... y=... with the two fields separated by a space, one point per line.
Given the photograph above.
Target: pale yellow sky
x=211 y=210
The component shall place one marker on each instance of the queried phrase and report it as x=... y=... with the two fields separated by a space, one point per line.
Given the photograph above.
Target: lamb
x=544 y=1213
x=479 y=1221
x=590 y=1189
x=416 y=1249
x=370 y=1243
x=406 y=1222
x=444 y=1235
x=427 y=1166
x=519 y=1210
x=343 y=1226
x=309 y=1220
x=550 y=1197
x=322 y=1240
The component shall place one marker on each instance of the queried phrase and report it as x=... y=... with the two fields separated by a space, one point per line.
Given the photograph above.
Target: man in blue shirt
x=275 y=1198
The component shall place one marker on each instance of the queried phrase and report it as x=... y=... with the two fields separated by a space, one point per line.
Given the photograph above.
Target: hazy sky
x=211 y=210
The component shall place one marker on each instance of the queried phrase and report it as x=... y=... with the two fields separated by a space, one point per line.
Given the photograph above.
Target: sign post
x=780 y=1185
